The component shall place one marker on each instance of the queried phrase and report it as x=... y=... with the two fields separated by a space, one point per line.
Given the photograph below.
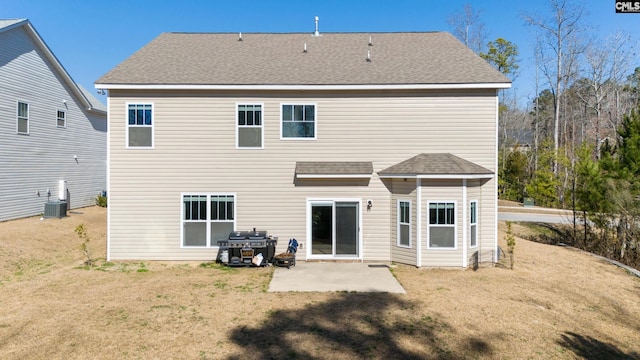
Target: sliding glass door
x=335 y=228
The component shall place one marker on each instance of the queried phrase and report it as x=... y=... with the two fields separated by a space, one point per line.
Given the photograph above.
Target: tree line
x=576 y=145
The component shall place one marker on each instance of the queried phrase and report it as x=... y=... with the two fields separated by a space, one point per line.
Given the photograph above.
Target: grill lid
x=248 y=235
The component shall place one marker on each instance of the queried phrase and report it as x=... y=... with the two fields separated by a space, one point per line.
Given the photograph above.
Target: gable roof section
x=436 y=166
x=279 y=61
x=89 y=102
x=333 y=169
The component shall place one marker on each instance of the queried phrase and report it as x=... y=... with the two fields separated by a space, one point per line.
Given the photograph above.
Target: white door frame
x=332 y=200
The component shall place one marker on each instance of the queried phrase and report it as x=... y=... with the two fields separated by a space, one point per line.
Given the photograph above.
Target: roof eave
x=437 y=176
x=112 y=86
x=53 y=60
x=333 y=176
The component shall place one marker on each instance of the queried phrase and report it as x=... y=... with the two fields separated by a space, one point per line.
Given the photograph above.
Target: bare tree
x=605 y=63
x=557 y=37
x=622 y=50
x=468 y=28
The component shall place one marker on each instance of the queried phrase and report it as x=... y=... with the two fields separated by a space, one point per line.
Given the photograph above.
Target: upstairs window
x=61 y=118
x=22 y=124
x=298 y=121
x=249 y=120
x=140 y=125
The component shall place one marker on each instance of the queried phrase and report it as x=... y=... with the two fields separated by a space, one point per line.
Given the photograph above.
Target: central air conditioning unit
x=55 y=209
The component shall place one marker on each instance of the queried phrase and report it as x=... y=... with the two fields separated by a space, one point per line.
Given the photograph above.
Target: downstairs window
x=207 y=218
x=442 y=225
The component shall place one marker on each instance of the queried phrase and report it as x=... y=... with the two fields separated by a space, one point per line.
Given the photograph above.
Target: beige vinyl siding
x=442 y=191
x=403 y=190
x=487 y=213
x=195 y=151
x=474 y=193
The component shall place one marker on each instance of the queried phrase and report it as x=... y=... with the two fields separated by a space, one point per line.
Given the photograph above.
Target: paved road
x=541 y=218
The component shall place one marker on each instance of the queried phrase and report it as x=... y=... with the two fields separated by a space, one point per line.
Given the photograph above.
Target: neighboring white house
x=51 y=129
x=362 y=146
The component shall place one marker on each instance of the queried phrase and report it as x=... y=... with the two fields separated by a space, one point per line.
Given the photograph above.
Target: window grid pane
x=249 y=132
x=61 y=118
x=23 y=110
x=140 y=114
x=298 y=121
x=23 y=118
x=442 y=225
x=473 y=212
x=197 y=223
x=140 y=130
x=222 y=207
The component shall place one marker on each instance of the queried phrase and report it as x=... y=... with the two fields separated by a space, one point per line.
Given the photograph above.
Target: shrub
x=511 y=243
x=82 y=234
x=101 y=201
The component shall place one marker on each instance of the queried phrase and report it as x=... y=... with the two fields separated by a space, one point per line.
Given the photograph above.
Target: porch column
x=464 y=223
x=419 y=222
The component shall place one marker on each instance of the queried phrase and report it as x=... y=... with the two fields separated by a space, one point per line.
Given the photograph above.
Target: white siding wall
x=195 y=151
x=36 y=162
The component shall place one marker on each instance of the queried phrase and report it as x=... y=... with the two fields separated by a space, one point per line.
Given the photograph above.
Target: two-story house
x=53 y=133
x=362 y=146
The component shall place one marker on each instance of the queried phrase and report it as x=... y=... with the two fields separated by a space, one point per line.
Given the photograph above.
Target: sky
x=91 y=37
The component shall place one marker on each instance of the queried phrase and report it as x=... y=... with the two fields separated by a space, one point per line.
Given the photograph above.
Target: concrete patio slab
x=335 y=276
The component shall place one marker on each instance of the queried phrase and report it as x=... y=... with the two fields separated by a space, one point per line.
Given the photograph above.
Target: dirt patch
x=556 y=303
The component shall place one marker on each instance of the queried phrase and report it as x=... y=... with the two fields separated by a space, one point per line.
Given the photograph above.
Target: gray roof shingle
x=280 y=59
x=334 y=168
x=435 y=164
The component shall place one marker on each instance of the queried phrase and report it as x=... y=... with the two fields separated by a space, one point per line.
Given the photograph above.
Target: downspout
x=108 y=180
x=495 y=188
x=418 y=222
x=464 y=223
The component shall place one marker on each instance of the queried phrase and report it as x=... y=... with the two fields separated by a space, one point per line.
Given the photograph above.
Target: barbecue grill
x=243 y=246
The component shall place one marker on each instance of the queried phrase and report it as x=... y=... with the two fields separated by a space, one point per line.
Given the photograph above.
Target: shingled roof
x=349 y=169
x=267 y=59
x=90 y=102
x=437 y=165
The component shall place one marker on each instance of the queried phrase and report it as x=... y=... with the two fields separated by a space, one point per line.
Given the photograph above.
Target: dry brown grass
x=556 y=303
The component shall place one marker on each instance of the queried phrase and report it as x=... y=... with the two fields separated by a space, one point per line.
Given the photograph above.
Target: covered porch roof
x=436 y=166
x=334 y=169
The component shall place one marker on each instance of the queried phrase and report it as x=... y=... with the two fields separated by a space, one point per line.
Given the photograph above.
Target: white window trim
x=470 y=224
x=399 y=223
x=18 y=117
x=455 y=225
x=65 y=118
x=315 y=120
x=152 y=126
x=208 y=221
x=250 y=126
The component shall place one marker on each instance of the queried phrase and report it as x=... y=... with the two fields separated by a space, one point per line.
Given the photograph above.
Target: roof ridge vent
x=240 y=36
x=317 y=33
